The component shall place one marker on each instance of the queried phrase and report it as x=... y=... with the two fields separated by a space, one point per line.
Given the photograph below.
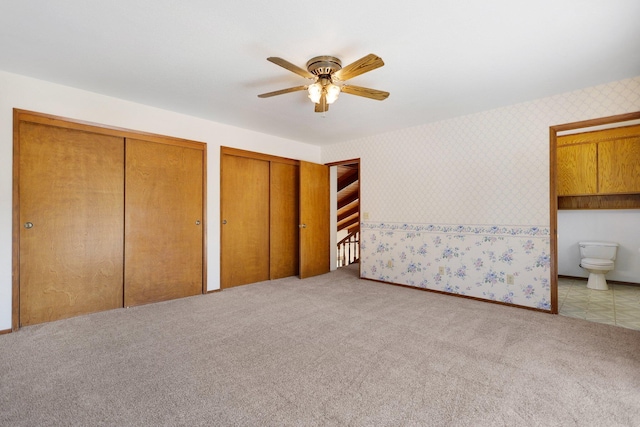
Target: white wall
x=36 y=95
x=470 y=195
x=621 y=226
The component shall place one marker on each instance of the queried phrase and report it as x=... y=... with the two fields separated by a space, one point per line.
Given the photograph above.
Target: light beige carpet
x=330 y=350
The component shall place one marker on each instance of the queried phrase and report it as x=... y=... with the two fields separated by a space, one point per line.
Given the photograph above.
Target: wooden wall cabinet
x=577 y=169
x=619 y=166
x=605 y=162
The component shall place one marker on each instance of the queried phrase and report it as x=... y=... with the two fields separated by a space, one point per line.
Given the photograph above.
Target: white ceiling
x=207 y=58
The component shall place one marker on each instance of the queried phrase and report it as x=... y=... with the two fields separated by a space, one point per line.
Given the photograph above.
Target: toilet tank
x=601 y=250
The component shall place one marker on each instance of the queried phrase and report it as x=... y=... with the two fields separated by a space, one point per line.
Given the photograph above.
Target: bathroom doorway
x=587 y=217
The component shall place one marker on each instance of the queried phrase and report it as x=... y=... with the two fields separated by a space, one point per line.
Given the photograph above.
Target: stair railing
x=349 y=249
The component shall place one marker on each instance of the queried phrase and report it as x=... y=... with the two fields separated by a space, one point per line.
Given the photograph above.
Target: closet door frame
x=19 y=116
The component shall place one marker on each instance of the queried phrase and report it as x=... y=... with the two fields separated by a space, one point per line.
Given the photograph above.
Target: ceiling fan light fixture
x=332 y=93
x=315 y=92
x=325 y=70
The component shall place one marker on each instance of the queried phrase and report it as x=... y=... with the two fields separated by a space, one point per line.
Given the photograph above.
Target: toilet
x=597 y=258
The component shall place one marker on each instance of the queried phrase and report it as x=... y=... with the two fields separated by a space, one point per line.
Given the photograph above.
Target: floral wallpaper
x=489 y=167
x=497 y=263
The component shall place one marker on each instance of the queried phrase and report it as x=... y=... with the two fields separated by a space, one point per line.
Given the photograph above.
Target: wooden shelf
x=616 y=201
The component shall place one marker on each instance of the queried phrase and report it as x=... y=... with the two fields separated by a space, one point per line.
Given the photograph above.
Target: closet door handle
x=28 y=225
x=224 y=221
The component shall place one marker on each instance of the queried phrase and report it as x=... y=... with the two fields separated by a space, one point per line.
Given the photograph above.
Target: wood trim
x=62 y=122
x=553 y=185
x=205 y=223
x=5 y=331
x=257 y=156
x=461 y=296
x=19 y=116
x=614 y=201
x=344 y=162
x=597 y=122
x=359 y=218
x=553 y=215
x=15 y=238
x=601 y=135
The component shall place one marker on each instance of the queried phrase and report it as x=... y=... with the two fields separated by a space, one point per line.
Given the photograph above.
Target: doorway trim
x=553 y=187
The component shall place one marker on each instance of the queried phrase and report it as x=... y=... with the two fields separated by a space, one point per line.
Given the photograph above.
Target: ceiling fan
x=328 y=74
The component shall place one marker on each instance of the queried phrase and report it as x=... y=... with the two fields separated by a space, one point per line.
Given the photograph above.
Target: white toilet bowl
x=597 y=259
x=597 y=268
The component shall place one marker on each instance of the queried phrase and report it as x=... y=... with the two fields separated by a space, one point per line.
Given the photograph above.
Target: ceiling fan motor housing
x=324 y=65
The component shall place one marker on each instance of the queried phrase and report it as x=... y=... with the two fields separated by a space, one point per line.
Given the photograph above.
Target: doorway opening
x=569 y=294
x=347 y=221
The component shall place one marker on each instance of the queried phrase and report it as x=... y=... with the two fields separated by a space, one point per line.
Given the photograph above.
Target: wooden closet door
x=244 y=233
x=315 y=253
x=284 y=242
x=163 y=222
x=71 y=216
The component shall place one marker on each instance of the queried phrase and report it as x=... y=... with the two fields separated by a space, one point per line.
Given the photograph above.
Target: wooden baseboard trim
x=213 y=291
x=613 y=282
x=5 y=331
x=462 y=296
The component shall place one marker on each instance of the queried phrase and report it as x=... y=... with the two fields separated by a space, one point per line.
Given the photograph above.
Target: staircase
x=348 y=213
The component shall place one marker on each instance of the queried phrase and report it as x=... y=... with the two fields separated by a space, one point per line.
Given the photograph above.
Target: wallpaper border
x=515 y=231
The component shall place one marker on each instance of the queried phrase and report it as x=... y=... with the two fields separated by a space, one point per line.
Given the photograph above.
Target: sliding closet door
x=71 y=222
x=163 y=222
x=284 y=232
x=244 y=201
x=315 y=253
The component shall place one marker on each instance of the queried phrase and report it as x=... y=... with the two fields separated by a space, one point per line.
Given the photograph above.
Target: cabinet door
x=315 y=252
x=577 y=173
x=284 y=232
x=619 y=166
x=244 y=200
x=71 y=200
x=163 y=222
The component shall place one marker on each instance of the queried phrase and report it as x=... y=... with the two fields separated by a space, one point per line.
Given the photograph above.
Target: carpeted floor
x=330 y=350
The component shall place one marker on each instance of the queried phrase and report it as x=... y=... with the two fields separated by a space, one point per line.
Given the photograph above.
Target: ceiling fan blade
x=366 y=92
x=361 y=66
x=322 y=106
x=281 y=91
x=291 y=67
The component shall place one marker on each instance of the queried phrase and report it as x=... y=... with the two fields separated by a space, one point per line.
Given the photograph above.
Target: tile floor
x=620 y=305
